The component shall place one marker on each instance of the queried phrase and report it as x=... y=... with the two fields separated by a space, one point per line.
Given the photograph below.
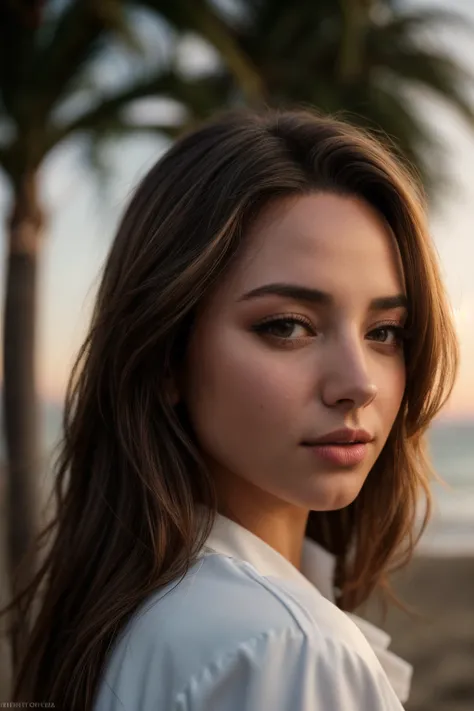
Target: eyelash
x=401 y=334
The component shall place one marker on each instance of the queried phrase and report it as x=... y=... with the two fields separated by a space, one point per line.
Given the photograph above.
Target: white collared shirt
x=245 y=630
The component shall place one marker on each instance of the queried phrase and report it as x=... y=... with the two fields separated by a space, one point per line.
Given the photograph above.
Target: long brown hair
x=129 y=471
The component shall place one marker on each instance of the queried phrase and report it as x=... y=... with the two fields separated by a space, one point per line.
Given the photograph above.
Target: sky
x=84 y=212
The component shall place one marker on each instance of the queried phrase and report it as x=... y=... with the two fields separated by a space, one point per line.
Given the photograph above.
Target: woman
x=243 y=449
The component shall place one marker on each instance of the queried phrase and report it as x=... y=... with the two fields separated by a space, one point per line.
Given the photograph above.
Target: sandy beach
x=439 y=641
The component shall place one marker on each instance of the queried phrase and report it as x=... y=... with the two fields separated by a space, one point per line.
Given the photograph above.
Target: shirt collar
x=316 y=570
x=232 y=539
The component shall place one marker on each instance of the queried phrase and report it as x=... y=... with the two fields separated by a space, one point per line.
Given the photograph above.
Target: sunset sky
x=84 y=213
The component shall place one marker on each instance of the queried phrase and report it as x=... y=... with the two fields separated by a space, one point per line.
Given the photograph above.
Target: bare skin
x=254 y=396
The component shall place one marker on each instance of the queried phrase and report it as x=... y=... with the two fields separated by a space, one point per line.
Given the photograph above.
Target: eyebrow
x=315 y=296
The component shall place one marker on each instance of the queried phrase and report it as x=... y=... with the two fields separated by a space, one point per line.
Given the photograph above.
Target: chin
x=335 y=497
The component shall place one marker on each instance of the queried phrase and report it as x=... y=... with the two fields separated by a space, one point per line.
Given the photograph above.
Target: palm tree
x=364 y=58
x=47 y=50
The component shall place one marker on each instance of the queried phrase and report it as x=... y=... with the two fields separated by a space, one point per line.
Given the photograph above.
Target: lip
x=343 y=436
x=343 y=455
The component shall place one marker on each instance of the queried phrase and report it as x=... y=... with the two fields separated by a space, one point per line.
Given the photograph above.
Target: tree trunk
x=20 y=406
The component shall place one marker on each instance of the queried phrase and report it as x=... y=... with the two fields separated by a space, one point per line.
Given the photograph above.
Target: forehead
x=335 y=243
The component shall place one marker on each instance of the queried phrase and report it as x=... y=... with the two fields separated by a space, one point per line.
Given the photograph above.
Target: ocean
x=451 y=528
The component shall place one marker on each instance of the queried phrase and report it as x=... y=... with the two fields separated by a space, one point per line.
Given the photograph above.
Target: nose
x=347 y=379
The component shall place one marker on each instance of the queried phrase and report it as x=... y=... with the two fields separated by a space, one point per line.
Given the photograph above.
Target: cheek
x=391 y=387
x=239 y=392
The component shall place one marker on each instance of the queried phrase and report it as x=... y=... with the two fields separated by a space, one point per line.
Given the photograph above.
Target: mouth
x=342 y=454
x=344 y=436
x=333 y=444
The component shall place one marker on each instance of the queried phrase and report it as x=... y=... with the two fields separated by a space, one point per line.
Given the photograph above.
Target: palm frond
x=7 y=159
x=404 y=46
x=394 y=117
x=18 y=26
x=303 y=64
x=81 y=31
x=408 y=23
x=96 y=152
x=3 y=159
x=200 y=97
x=440 y=74
x=210 y=26
x=197 y=16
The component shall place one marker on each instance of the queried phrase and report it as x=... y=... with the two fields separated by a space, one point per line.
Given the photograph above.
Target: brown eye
x=382 y=334
x=282 y=327
x=388 y=335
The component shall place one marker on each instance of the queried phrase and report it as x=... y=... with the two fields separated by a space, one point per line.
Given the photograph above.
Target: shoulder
x=287 y=670
x=223 y=600
x=223 y=612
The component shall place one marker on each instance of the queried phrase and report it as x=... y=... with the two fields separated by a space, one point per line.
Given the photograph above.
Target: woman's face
x=255 y=393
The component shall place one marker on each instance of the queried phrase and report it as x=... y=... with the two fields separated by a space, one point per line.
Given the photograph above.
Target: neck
x=282 y=528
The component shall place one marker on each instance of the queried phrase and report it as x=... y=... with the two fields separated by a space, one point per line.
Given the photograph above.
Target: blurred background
x=93 y=91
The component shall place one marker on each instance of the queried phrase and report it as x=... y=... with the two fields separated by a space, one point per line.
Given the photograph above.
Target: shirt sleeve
x=286 y=671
